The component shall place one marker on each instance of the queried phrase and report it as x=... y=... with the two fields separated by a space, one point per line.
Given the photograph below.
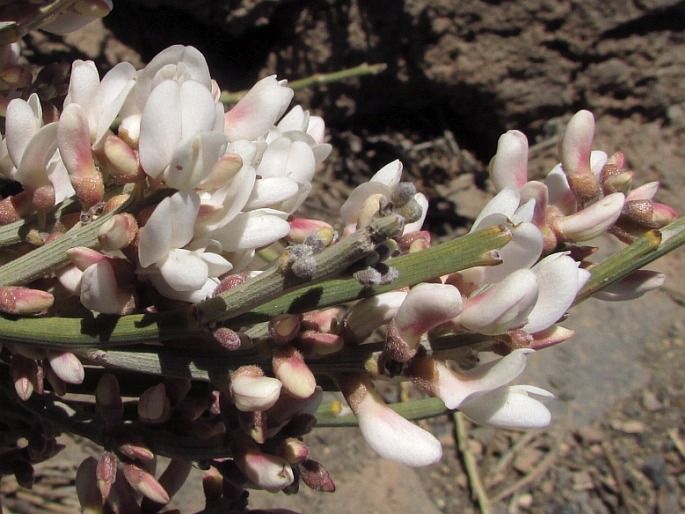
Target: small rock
x=650 y=401
x=526 y=459
x=632 y=426
x=525 y=501
x=592 y=434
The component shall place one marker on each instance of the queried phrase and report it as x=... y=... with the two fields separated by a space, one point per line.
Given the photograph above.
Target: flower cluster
x=146 y=217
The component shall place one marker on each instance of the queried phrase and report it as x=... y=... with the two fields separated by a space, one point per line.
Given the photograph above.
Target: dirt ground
x=458 y=75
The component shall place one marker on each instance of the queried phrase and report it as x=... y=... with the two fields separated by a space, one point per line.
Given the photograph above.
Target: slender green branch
x=11 y=31
x=448 y=257
x=53 y=255
x=278 y=279
x=318 y=79
x=651 y=246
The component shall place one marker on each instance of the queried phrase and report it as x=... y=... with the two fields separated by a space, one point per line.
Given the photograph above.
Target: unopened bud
x=290 y=368
x=118 y=232
x=108 y=400
x=269 y=472
x=23 y=473
x=153 y=406
x=24 y=375
x=171 y=480
x=316 y=476
x=22 y=300
x=302 y=228
x=106 y=473
x=575 y=148
x=252 y=391
x=120 y=160
x=94 y=8
x=293 y=450
x=229 y=282
x=146 y=484
x=324 y=320
x=284 y=328
x=66 y=366
x=319 y=343
x=89 y=496
x=228 y=339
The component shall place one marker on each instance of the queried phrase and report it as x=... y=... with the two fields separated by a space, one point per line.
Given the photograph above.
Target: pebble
x=632 y=426
x=650 y=401
x=526 y=459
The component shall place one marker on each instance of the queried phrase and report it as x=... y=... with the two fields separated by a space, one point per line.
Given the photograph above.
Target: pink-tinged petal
x=100 y=291
x=386 y=432
x=170 y=226
x=60 y=180
x=592 y=221
x=251 y=391
x=371 y=313
x=253 y=229
x=73 y=138
x=269 y=192
x=258 y=110
x=456 y=388
x=83 y=257
x=503 y=306
x=538 y=192
x=633 y=286
x=66 y=366
x=510 y=407
x=644 y=192
x=145 y=483
x=390 y=174
x=183 y=270
x=22 y=300
x=194 y=160
x=504 y=203
x=549 y=337
x=559 y=282
x=23 y=120
x=509 y=167
x=425 y=307
x=160 y=127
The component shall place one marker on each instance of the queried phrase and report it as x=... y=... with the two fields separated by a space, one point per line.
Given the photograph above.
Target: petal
x=509 y=167
x=505 y=202
x=559 y=283
x=503 y=306
x=258 y=110
x=254 y=229
x=509 y=407
x=183 y=270
x=197 y=109
x=100 y=291
x=160 y=127
x=24 y=118
x=390 y=174
x=194 y=160
x=269 y=192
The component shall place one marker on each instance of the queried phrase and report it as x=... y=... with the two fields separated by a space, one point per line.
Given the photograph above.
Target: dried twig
x=623 y=490
x=677 y=441
x=470 y=464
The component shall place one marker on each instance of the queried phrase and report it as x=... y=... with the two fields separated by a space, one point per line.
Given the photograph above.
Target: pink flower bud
x=153 y=405
x=172 y=479
x=302 y=228
x=575 y=148
x=509 y=167
x=120 y=160
x=146 y=484
x=314 y=343
x=73 y=136
x=316 y=476
x=293 y=450
x=24 y=375
x=66 y=366
x=269 y=472
x=22 y=300
x=371 y=313
x=284 y=328
x=290 y=368
x=321 y=320
x=106 y=473
x=118 y=232
x=590 y=222
x=549 y=337
x=252 y=391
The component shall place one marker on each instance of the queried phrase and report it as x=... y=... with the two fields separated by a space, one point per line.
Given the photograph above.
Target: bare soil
x=458 y=75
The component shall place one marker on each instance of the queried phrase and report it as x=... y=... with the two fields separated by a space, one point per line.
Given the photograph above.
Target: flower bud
x=314 y=343
x=88 y=493
x=291 y=369
x=316 y=476
x=153 y=405
x=252 y=391
x=120 y=160
x=269 y=472
x=293 y=450
x=509 y=166
x=369 y=314
x=108 y=401
x=66 y=366
x=146 y=484
x=302 y=228
x=118 y=232
x=575 y=148
x=22 y=300
x=106 y=473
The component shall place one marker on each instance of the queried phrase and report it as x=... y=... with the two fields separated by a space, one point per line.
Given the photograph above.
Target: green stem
x=318 y=79
x=11 y=31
